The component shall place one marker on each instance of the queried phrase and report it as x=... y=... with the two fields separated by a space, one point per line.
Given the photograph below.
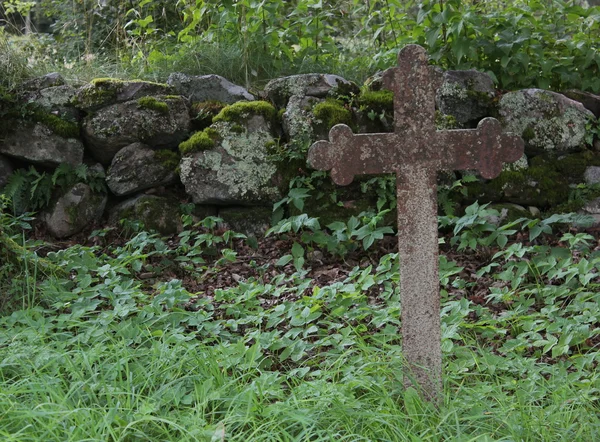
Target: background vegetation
x=521 y=43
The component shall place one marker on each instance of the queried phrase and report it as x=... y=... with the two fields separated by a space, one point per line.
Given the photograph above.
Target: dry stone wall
x=204 y=140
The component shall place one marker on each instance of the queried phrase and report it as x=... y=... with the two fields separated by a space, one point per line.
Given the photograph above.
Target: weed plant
x=277 y=356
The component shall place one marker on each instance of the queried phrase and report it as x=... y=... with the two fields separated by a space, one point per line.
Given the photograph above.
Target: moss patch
x=332 y=112
x=445 y=122
x=66 y=129
x=377 y=100
x=199 y=141
x=203 y=112
x=242 y=110
x=168 y=158
x=153 y=104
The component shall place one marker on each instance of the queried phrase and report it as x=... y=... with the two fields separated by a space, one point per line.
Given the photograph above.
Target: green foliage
x=31 y=190
x=153 y=103
x=203 y=140
x=13 y=66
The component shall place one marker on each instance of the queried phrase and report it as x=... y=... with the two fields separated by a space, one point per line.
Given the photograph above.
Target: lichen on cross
x=415 y=152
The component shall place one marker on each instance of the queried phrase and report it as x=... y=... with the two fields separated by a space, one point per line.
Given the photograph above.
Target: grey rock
x=137 y=167
x=48 y=80
x=299 y=121
x=237 y=171
x=251 y=221
x=592 y=175
x=155 y=212
x=104 y=92
x=6 y=170
x=75 y=210
x=208 y=87
x=590 y=101
x=547 y=121
x=466 y=95
x=593 y=207
x=56 y=100
x=116 y=126
x=280 y=90
x=39 y=145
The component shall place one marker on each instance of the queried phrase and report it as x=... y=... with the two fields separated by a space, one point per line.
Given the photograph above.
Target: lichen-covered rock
x=157 y=213
x=75 y=210
x=466 y=95
x=208 y=87
x=38 y=144
x=547 y=121
x=299 y=120
x=56 y=99
x=6 y=170
x=280 y=90
x=106 y=91
x=237 y=170
x=116 y=126
x=590 y=101
x=48 y=80
x=251 y=221
x=138 y=167
x=592 y=175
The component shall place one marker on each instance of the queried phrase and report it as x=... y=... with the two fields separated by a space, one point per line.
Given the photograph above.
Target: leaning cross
x=415 y=152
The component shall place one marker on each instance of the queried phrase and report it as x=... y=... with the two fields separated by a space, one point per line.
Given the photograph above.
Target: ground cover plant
x=209 y=335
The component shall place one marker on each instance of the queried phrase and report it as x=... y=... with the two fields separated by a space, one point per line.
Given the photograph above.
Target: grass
x=278 y=356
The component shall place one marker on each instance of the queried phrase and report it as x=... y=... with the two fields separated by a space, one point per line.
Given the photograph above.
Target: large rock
x=547 y=121
x=237 y=170
x=208 y=87
x=138 y=167
x=466 y=95
x=106 y=91
x=56 y=99
x=38 y=144
x=160 y=122
x=49 y=80
x=280 y=90
x=155 y=212
x=6 y=170
x=73 y=211
x=590 y=101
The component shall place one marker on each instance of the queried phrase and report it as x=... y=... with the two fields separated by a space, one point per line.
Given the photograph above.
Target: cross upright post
x=415 y=152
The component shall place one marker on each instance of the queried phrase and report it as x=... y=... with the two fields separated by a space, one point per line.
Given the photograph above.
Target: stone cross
x=415 y=152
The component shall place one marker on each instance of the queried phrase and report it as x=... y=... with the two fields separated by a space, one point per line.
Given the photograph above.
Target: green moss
x=528 y=134
x=332 y=112
x=202 y=140
x=377 y=100
x=64 y=128
x=153 y=104
x=242 y=110
x=445 y=122
x=203 y=112
x=168 y=158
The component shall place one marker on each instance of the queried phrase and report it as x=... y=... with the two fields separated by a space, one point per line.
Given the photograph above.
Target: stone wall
x=204 y=140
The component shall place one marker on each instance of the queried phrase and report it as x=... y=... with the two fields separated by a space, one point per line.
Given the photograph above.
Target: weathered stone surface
x=547 y=121
x=592 y=175
x=137 y=167
x=73 y=211
x=6 y=170
x=116 y=126
x=57 y=100
x=208 y=87
x=280 y=90
x=155 y=212
x=107 y=91
x=48 y=80
x=299 y=121
x=237 y=170
x=466 y=95
x=251 y=221
x=590 y=101
x=39 y=145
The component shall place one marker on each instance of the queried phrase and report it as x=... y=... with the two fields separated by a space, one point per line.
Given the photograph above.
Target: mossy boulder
x=114 y=127
x=39 y=144
x=467 y=95
x=52 y=79
x=102 y=92
x=280 y=90
x=138 y=167
x=74 y=211
x=158 y=213
x=238 y=170
x=55 y=100
x=547 y=121
x=207 y=87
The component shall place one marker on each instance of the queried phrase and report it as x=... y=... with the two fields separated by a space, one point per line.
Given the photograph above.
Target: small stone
x=592 y=175
x=208 y=87
x=280 y=90
x=593 y=207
